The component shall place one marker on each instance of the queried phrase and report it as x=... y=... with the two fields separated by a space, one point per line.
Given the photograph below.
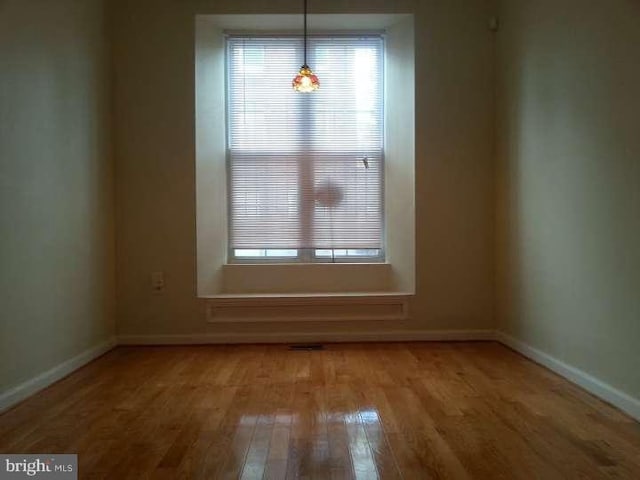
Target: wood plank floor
x=403 y=410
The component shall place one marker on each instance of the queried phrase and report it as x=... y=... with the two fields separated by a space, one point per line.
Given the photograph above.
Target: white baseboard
x=277 y=337
x=11 y=397
x=600 y=389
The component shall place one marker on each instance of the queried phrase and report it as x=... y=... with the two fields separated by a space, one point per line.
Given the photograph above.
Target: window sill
x=297 y=264
x=304 y=295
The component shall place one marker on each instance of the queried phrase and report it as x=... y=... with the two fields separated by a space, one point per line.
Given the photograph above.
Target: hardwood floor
x=404 y=410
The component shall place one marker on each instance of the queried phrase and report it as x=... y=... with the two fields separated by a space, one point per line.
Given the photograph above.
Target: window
x=305 y=171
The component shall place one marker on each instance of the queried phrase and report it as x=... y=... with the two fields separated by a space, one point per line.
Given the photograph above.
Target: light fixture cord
x=305 y=32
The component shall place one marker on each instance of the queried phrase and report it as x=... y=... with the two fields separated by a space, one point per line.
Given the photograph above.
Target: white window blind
x=305 y=170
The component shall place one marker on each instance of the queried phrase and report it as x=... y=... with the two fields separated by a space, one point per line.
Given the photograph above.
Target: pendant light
x=305 y=81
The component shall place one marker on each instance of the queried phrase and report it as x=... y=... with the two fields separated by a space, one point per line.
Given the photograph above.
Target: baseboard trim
x=593 y=385
x=329 y=337
x=12 y=397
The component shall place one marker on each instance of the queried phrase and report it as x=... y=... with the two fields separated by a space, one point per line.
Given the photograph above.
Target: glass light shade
x=306 y=81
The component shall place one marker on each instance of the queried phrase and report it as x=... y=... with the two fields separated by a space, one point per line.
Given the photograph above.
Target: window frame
x=307 y=255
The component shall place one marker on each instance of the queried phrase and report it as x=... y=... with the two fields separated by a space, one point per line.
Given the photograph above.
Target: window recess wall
x=215 y=274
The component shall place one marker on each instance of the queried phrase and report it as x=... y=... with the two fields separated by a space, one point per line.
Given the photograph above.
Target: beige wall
x=569 y=188
x=155 y=163
x=56 y=246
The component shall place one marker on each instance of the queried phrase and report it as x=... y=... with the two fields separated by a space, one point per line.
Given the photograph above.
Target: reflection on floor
x=404 y=410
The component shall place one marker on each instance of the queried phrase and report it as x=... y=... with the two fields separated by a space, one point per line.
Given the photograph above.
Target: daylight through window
x=305 y=170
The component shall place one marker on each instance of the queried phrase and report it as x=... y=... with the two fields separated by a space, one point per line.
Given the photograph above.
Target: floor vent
x=306 y=347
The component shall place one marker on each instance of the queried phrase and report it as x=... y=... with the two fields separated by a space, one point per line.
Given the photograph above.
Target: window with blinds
x=305 y=170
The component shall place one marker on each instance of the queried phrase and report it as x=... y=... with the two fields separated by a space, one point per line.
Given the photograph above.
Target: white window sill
x=297 y=264
x=249 y=296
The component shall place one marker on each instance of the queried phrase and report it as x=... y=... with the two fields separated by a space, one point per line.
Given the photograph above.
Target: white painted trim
x=291 y=337
x=11 y=397
x=307 y=296
x=591 y=384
